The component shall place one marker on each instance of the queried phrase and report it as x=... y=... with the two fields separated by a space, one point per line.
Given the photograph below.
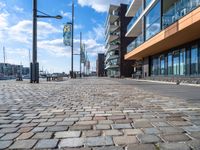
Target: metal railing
x=178 y=10
x=134 y=19
x=137 y=42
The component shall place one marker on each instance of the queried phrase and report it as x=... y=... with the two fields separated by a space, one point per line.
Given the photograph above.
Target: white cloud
x=22 y=31
x=100 y=5
x=78 y=26
x=18 y=9
x=54 y=47
x=68 y=15
x=2 y=5
x=4 y=20
x=3 y=25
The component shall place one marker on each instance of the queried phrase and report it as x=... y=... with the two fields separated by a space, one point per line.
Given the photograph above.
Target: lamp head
x=58 y=17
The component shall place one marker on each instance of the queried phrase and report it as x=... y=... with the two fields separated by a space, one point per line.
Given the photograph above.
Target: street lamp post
x=72 y=57
x=34 y=66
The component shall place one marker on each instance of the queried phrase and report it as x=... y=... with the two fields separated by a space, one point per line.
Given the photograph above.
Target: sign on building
x=67 y=34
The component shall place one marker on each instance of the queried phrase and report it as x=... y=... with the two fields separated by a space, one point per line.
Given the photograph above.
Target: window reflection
x=153 y=21
x=182 y=62
x=170 y=64
x=162 y=65
x=194 y=60
x=176 y=63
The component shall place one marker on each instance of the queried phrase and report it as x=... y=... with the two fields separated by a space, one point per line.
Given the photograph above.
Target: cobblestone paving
x=94 y=114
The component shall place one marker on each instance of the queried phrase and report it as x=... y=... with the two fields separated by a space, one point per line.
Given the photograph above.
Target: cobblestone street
x=94 y=114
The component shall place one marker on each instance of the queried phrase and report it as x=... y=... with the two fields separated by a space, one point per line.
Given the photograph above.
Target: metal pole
x=80 y=51
x=72 y=61
x=34 y=65
x=4 y=64
x=29 y=56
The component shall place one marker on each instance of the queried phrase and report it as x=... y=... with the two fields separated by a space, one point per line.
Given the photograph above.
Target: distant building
x=13 y=70
x=116 y=42
x=25 y=71
x=100 y=67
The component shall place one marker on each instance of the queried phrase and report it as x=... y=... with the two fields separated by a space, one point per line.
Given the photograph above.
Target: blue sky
x=53 y=56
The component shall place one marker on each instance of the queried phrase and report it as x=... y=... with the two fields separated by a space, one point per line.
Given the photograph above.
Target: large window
x=194 y=60
x=169 y=62
x=182 y=62
x=176 y=63
x=147 y=2
x=162 y=65
x=153 y=21
x=154 y=66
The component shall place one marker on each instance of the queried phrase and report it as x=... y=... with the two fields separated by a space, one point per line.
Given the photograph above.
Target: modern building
x=116 y=42
x=100 y=67
x=166 y=38
x=13 y=70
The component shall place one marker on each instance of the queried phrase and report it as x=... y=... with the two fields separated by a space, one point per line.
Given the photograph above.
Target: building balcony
x=112 y=48
x=111 y=28
x=133 y=7
x=137 y=42
x=178 y=10
x=112 y=37
x=133 y=20
x=112 y=66
x=184 y=30
x=111 y=57
x=135 y=26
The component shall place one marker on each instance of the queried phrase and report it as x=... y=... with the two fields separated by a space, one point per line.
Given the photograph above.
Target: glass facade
x=169 y=64
x=174 y=10
x=152 y=21
x=146 y=3
x=159 y=17
x=194 y=60
x=162 y=65
x=154 y=66
x=183 y=61
x=176 y=63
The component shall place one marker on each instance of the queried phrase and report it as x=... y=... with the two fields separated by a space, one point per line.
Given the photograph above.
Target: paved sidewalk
x=95 y=114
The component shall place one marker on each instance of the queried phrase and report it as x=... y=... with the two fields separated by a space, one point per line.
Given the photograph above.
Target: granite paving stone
x=147 y=139
x=171 y=130
x=95 y=114
x=56 y=128
x=99 y=141
x=109 y=148
x=24 y=136
x=175 y=138
x=112 y=132
x=71 y=142
x=192 y=128
x=38 y=129
x=91 y=133
x=133 y=131
x=141 y=147
x=8 y=130
x=25 y=129
x=43 y=135
x=151 y=131
x=23 y=144
x=68 y=134
x=173 y=146
x=10 y=136
x=102 y=127
x=5 y=144
x=124 y=140
x=46 y=144
x=194 y=144
x=122 y=126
